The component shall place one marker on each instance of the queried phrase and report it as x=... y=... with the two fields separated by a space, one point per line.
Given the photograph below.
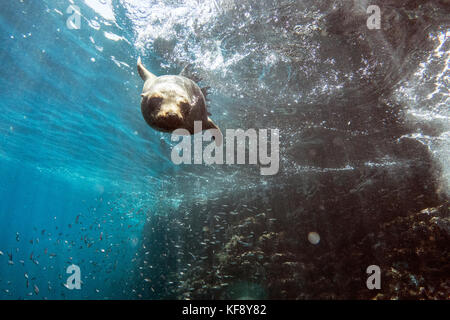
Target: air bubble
x=313 y=237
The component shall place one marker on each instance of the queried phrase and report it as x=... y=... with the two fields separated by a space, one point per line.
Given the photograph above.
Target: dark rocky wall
x=347 y=172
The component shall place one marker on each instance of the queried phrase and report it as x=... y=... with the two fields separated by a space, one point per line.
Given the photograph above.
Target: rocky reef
x=411 y=251
x=355 y=189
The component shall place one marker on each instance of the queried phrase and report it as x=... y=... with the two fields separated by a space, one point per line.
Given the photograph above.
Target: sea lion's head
x=165 y=107
x=174 y=102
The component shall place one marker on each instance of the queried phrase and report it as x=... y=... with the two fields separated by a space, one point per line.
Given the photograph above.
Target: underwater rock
x=355 y=181
x=411 y=251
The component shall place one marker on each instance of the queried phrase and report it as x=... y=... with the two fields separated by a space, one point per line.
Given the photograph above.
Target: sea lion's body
x=172 y=102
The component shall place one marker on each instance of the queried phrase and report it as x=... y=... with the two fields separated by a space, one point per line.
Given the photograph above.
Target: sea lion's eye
x=155 y=100
x=185 y=108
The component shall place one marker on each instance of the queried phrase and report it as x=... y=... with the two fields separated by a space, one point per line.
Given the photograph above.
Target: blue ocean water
x=82 y=173
x=73 y=143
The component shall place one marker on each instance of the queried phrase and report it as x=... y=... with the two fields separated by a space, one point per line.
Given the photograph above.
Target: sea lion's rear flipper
x=211 y=125
x=194 y=76
x=143 y=72
x=205 y=92
x=188 y=73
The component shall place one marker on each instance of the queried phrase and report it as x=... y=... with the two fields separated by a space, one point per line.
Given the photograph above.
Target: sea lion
x=173 y=102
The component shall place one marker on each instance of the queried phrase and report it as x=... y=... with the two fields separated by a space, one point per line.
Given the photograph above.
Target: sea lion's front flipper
x=143 y=72
x=211 y=125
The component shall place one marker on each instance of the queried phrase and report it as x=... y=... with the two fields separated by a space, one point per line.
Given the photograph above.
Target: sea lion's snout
x=169 y=118
x=170 y=115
